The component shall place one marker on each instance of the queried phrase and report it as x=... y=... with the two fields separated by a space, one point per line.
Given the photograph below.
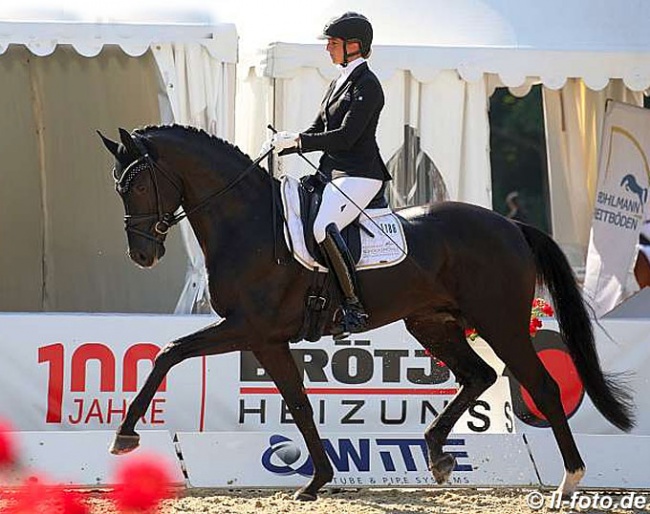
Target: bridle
x=164 y=220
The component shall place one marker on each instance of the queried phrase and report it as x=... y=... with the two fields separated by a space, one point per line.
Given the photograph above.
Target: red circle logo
x=555 y=356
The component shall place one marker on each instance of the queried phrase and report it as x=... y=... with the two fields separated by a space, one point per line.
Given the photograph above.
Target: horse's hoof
x=124 y=444
x=570 y=483
x=304 y=496
x=441 y=469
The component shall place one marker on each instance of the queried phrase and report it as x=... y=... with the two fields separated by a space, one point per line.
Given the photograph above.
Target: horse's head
x=150 y=195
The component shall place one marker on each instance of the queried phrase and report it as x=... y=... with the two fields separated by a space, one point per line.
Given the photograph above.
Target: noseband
x=164 y=220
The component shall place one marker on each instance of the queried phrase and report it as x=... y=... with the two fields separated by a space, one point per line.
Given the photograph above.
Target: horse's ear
x=127 y=141
x=110 y=145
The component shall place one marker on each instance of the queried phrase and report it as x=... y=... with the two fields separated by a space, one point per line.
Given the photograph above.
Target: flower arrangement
x=539 y=309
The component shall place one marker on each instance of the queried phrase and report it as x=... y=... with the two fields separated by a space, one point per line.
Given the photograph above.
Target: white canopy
x=133 y=26
x=128 y=67
x=596 y=40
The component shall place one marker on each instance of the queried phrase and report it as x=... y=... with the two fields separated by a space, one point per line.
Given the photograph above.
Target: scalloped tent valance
x=512 y=65
x=135 y=38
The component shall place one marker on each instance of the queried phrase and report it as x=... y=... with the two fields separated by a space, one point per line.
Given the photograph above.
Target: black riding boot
x=340 y=261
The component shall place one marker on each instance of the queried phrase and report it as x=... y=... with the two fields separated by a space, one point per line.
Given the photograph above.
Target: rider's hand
x=284 y=140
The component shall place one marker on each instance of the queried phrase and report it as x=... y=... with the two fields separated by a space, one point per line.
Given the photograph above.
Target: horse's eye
x=141 y=189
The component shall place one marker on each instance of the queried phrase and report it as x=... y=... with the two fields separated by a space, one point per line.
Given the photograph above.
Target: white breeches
x=336 y=208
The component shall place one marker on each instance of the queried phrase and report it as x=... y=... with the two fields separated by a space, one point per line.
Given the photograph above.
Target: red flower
x=540 y=307
x=471 y=334
x=142 y=483
x=7 y=445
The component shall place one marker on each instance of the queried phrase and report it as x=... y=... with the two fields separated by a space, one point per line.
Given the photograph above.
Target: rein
x=166 y=221
x=178 y=217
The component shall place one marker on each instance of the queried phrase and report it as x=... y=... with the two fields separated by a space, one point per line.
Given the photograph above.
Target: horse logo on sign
x=630 y=184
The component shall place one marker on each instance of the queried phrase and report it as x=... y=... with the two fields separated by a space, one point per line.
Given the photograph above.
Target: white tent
x=66 y=73
x=439 y=62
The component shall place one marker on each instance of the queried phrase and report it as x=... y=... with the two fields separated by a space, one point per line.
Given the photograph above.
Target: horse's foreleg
x=279 y=364
x=224 y=337
x=446 y=340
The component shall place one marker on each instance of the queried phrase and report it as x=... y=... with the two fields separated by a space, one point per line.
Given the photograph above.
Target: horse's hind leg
x=227 y=336
x=279 y=364
x=519 y=356
x=445 y=339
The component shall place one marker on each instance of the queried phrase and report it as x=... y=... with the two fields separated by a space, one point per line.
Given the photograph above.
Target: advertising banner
x=620 y=206
x=373 y=397
x=78 y=372
x=280 y=459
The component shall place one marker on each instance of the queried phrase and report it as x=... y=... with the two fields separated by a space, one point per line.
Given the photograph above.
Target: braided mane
x=215 y=141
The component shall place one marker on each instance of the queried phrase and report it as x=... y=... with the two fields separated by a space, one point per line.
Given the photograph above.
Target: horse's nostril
x=137 y=256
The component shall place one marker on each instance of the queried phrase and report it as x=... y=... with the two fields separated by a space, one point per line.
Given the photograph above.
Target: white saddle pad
x=387 y=247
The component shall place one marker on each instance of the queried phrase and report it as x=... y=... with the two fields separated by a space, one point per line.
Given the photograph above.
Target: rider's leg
x=340 y=206
x=339 y=260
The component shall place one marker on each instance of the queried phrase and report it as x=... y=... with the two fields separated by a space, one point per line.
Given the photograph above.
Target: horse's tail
x=607 y=392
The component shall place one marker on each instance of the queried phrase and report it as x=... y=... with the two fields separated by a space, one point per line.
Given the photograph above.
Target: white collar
x=352 y=65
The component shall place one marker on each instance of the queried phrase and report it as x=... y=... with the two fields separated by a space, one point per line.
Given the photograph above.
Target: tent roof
x=555 y=39
x=41 y=29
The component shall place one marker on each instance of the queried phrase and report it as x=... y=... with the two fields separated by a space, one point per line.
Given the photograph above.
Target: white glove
x=266 y=146
x=284 y=140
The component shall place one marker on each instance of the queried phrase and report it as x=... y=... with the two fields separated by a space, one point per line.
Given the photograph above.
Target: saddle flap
x=376 y=239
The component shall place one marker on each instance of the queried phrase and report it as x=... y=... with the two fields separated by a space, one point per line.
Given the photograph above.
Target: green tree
x=518 y=153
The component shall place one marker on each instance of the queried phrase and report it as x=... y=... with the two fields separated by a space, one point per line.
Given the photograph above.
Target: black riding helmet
x=350 y=26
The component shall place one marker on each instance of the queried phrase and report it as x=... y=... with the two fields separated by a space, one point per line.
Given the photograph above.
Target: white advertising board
x=623 y=347
x=81 y=458
x=72 y=375
x=612 y=460
x=371 y=460
x=78 y=372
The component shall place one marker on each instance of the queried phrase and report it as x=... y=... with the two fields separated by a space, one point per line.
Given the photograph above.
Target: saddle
x=311 y=195
x=375 y=240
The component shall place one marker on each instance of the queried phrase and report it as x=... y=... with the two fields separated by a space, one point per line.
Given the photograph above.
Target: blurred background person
x=516 y=211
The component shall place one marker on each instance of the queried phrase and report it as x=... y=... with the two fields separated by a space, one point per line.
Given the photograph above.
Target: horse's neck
x=207 y=184
x=204 y=167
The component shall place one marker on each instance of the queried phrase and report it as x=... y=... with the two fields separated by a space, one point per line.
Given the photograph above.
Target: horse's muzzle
x=147 y=259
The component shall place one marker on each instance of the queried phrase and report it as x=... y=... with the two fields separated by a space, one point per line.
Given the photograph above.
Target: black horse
x=467 y=267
